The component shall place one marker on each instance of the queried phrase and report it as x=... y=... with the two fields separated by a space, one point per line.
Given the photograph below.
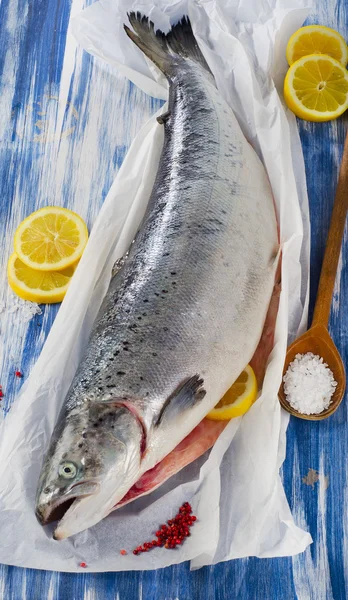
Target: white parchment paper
x=236 y=491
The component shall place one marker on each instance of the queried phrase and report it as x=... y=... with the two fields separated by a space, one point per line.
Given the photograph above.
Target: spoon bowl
x=318 y=341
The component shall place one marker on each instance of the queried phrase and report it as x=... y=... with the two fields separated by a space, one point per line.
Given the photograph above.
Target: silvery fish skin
x=183 y=313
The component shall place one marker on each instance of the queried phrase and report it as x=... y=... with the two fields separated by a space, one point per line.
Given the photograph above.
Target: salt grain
x=309 y=384
x=24 y=310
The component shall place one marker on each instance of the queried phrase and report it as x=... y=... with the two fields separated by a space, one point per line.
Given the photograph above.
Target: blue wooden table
x=65 y=127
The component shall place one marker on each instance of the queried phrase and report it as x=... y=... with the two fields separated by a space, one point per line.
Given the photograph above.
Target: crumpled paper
x=235 y=490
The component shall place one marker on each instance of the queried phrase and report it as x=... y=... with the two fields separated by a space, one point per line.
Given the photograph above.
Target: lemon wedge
x=317 y=39
x=46 y=287
x=51 y=239
x=238 y=399
x=316 y=88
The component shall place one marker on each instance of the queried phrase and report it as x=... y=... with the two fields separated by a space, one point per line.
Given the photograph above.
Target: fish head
x=95 y=453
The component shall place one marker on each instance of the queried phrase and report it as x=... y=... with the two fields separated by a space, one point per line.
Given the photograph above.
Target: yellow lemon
x=238 y=399
x=317 y=39
x=46 y=287
x=316 y=88
x=52 y=238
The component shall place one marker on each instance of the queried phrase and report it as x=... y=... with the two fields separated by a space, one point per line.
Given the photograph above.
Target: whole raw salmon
x=185 y=308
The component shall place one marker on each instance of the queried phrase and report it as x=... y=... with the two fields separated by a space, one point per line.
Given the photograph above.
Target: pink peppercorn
x=172 y=534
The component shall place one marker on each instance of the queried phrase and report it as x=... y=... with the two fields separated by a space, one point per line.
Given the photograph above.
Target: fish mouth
x=59 y=533
x=54 y=513
x=48 y=512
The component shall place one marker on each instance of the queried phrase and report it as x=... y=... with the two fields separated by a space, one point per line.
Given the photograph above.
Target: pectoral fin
x=186 y=395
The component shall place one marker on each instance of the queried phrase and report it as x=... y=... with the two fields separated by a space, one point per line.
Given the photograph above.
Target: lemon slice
x=46 y=287
x=317 y=39
x=52 y=238
x=238 y=399
x=316 y=88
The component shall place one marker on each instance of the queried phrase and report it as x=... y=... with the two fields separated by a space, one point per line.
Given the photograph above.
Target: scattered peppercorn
x=83 y=565
x=19 y=374
x=123 y=552
x=172 y=534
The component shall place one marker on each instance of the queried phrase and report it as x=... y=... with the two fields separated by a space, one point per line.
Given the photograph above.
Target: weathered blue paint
x=33 y=34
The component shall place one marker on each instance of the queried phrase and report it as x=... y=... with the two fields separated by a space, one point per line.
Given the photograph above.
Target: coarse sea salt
x=309 y=384
x=24 y=310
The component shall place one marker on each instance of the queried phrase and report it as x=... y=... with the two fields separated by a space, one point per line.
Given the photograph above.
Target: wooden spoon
x=317 y=339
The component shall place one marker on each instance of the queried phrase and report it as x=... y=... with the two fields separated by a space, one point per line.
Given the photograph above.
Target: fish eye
x=67 y=470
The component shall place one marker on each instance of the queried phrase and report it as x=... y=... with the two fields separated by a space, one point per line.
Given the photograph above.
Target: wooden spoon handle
x=333 y=245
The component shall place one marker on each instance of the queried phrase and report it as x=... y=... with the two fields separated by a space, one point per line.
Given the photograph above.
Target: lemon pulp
x=316 y=88
x=46 y=287
x=238 y=399
x=317 y=39
x=51 y=238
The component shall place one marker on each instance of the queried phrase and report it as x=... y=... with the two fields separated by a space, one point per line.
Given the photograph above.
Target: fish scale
x=185 y=308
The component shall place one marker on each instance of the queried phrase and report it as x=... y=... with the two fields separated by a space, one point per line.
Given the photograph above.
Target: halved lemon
x=52 y=238
x=316 y=88
x=317 y=39
x=238 y=399
x=43 y=287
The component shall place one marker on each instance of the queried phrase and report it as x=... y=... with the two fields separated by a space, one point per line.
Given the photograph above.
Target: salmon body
x=185 y=308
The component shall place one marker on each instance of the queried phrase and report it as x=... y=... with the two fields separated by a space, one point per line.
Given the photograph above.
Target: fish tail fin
x=163 y=49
